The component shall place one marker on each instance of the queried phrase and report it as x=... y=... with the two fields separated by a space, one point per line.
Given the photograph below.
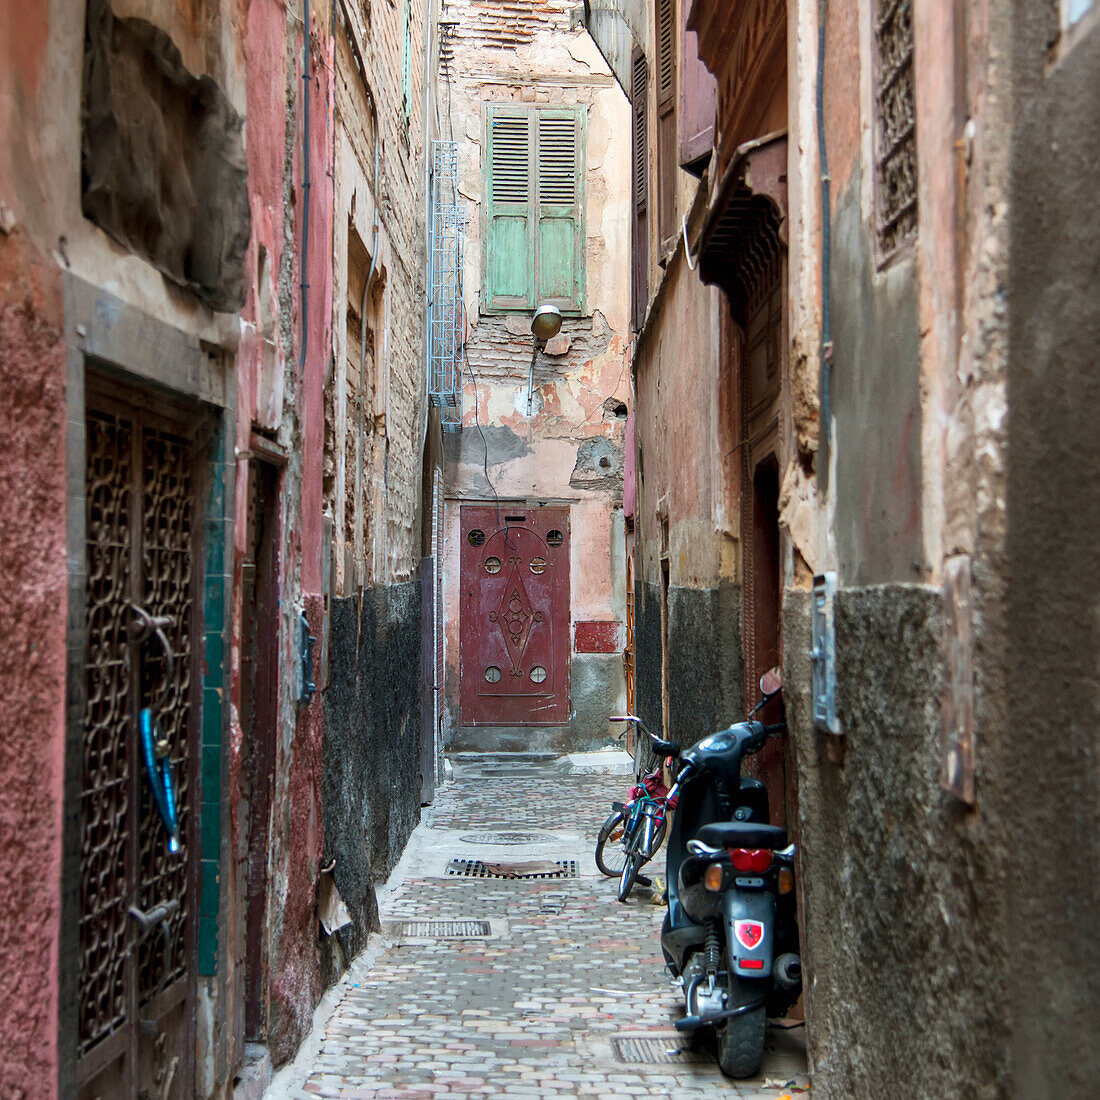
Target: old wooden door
x=137 y=899
x=259 y=720
x=514 y=626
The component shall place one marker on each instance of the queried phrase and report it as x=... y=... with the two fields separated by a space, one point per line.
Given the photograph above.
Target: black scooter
x=730 y=934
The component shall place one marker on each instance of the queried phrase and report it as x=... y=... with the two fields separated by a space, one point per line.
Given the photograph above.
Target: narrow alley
x=405 y=405
x=540 y=987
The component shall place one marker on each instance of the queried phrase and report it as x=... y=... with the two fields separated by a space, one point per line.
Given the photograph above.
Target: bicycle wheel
x=629 y=875
x=610 y=851
x=653 y=830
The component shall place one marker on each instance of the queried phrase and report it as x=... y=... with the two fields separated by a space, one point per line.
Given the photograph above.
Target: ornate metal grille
x=166 y=587
x=139 y=547
x=895 y=126
x=105 y=799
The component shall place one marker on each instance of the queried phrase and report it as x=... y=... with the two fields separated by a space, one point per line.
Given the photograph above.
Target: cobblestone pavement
x=562 y=997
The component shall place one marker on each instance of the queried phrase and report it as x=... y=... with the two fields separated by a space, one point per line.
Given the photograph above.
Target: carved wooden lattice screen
x=895 y=126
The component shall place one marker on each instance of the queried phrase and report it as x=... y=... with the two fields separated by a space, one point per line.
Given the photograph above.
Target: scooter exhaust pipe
x=787 y=971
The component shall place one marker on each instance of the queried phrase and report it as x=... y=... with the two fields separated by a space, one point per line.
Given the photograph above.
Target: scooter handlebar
x=778 y=727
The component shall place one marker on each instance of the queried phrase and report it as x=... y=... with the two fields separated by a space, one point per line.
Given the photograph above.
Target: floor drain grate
x=444 y=929
x=640 y=1050
x=507 y=838
x=475 y=868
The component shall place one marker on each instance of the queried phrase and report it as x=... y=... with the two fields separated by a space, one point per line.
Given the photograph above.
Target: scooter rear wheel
x=741 y=1044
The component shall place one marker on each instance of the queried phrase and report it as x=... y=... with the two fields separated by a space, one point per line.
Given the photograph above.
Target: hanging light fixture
x=545 y=325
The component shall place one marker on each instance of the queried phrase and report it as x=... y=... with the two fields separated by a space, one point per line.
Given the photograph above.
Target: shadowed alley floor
x=559 y=991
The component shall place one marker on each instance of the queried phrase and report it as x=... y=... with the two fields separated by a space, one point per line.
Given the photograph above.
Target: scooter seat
x=742 y=834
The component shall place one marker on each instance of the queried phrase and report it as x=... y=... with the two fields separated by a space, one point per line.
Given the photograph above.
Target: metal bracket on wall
x=305 y=655
x=957 y=765
x=823 y=653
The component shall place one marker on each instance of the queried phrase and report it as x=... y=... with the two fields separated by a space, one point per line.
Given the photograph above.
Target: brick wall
x=375 y=517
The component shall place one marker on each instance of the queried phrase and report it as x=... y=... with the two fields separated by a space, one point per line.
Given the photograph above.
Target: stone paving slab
x=531 y=1010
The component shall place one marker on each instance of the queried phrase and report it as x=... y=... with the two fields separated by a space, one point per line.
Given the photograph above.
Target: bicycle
x=634 y=831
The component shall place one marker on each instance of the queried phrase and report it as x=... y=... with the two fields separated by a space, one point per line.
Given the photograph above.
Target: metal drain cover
x=649 y=1051
x=443 y=929
x=507 y=838
x=544 y=868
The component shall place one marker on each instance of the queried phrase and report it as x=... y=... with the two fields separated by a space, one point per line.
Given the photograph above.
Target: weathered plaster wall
x=893 y=867
x=570 y=449
x=296 y=835
x=32 y=667
x=371 y=746
x=686 y=431
x=1049 y=742
x=898 y=889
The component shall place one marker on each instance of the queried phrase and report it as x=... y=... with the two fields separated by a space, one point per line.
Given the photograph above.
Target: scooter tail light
x=757 y=860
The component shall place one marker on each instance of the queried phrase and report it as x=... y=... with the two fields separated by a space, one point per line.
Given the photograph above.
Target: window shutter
x=667 y=159
x=639 y=91
x=510 y=251
x=696 y=105
x=559 y=207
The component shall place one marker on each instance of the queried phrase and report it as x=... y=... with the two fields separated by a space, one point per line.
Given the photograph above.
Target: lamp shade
x=546 y=322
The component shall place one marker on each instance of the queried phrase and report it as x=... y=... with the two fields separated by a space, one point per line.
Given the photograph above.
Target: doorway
x=137 y=893
x=258 y=718
x=514 y=618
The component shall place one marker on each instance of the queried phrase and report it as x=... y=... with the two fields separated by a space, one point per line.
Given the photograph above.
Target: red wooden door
x=514 y=625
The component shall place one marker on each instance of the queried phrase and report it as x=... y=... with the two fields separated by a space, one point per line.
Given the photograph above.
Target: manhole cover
x=475 y=868
x=649 y=1051
x=507 y=838
x=443 y=929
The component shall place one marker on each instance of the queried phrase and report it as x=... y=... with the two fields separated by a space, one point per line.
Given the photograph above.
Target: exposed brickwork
x=378 y=517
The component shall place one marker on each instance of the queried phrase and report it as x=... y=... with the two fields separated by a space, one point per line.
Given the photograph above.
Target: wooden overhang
x=744 y=233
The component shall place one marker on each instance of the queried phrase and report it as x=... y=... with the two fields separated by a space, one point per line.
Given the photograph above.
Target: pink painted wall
x=32 y=578
x=32 y=669
x=296 y=982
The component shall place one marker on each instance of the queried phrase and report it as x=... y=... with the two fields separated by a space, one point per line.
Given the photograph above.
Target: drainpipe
x=825 y=439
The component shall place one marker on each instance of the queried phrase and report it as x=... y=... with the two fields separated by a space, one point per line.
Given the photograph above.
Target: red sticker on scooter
x=749 y=933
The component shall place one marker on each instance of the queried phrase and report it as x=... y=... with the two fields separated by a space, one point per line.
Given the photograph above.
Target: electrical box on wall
x=823 y=653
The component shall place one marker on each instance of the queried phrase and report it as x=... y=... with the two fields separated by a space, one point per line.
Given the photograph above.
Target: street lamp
x=545 y=325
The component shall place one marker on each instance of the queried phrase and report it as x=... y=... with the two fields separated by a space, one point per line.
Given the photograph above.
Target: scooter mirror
x=771 y=683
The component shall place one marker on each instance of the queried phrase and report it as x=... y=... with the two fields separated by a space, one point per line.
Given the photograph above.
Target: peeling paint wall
x=374 y=429
x=569 y=450
x=939 y=453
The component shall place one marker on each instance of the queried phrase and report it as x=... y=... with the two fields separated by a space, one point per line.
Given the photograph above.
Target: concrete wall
x=569 y=450
x=1049 y=742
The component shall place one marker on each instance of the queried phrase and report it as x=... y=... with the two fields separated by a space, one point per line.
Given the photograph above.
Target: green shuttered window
x=534 y=246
